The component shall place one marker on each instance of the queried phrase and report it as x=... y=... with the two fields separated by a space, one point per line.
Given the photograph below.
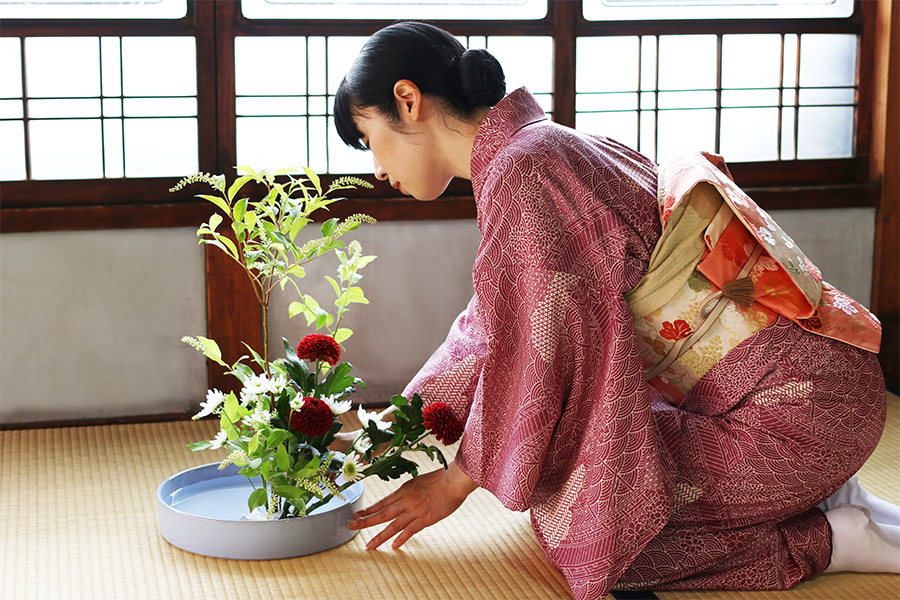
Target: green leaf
x=200 y=445
x=295 y=308
x=246 y=169
x=285 y=171
x=296 y=226
x=211 y=350
x=307 y=469
x=214 y=221
x=282 y=460
x=342 y=335
x=250 y=219
x=277 y=436
x=288 y=491
x=328 y=227
x=257 y=498
x=254 y=446
x=240 y=209
x=237 y=185
x=220 y=202
x=314 y=179
x=334 y=284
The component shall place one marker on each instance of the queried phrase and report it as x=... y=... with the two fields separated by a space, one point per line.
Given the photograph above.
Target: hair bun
x=480 y=78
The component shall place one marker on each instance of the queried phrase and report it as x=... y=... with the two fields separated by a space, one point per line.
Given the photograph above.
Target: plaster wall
x=91 y=321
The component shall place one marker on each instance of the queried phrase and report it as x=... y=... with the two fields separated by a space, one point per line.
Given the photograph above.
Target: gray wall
x=91 y=322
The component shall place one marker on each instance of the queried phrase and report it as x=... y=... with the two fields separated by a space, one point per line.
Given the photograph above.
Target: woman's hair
x=461 y=80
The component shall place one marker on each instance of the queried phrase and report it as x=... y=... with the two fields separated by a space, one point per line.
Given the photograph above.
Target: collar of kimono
x=515 y=111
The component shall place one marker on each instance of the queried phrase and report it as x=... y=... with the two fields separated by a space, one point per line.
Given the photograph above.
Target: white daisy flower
x=218 y=440
x=352 y=469
x=277 y=385
x=338 y=407
x=362 y=445
x=365 y=417
x=297 y=403
x=213 y=399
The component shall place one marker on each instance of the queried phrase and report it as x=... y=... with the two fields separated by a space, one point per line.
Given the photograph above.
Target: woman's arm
x=417 y=504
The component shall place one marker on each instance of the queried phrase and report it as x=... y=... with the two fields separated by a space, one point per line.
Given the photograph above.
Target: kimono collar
x=515 y=111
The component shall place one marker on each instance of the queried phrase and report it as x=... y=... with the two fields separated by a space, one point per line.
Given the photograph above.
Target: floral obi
x=722 y=271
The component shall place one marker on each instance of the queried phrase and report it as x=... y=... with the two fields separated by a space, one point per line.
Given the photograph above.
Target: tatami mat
x=80 y=522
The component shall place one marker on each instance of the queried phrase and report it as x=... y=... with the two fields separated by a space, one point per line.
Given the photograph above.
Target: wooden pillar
x=885 y=168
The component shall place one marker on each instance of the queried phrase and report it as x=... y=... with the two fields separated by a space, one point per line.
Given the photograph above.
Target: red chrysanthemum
x=442 y=422
x=318 y=347
x=313 y=419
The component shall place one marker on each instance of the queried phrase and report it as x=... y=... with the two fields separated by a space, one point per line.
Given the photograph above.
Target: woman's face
x=408 y=159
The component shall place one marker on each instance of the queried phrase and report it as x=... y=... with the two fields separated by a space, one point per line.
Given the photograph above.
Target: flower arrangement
x=279 y=427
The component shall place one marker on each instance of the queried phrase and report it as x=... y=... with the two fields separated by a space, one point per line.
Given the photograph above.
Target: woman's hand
x=420 y=502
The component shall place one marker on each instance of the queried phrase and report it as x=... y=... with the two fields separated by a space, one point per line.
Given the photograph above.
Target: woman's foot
x=859 y=544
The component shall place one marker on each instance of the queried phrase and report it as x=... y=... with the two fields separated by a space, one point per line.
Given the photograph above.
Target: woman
x=713 y=484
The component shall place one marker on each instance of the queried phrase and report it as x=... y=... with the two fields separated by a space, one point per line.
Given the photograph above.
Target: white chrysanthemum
x=297 y=403
x=338 y=407
x=217 y=441
x=362 y=445
x=213 y=399
x=254 y=387
x=366 y=417
x=277 y=385
x=260 y=418
x=352 y=469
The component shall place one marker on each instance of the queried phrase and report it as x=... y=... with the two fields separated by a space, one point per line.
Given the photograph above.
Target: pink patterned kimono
x=625 y=489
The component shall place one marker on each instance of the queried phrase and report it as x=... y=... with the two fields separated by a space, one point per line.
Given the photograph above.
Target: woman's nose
x=380 y=173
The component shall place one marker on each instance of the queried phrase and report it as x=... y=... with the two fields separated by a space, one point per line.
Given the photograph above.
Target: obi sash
x=723 y=270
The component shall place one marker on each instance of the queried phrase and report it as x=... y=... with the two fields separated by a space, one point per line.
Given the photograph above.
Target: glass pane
x=159 y=66
x=827 y=59
x=825 y=132
x=68 y=109
x=650 y=10
x=160 y=147
x=111 y=65
x=286 y=106
x=740 y=98
x=526 y=61
x=751 y=61
x=669 y=100
x=749 y=134
x=66 y=149
x=828 y=96
x=648 y=62
x=342 y=159
x=318 y=144
x=253 y=57
x=11 y=109
x=93 y=9
x=394 y=9
x=606 y=64
x=12 y=150
x=112 y=107
x=342 y=51
x=62 y=67
x=788 y=152
x=686 y=131
x=257 y=147
x=10 y=68
x=605 y=102
x=620 y=126
x=316 y=65
x=160 y=107
x=687 y=62
x=113 y=148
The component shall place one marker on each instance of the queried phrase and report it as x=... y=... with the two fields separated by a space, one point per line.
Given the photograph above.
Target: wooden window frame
x=28 y=206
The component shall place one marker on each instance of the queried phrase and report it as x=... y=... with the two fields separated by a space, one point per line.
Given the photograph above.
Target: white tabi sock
x=859 y=544
x=882 y=512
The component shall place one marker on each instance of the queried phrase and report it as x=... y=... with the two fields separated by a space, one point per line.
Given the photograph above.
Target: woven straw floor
x=81 y=523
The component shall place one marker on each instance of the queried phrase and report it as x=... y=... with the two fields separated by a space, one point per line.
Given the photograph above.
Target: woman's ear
x=409 y=100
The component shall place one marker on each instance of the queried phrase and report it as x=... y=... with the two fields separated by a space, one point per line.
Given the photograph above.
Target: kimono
x=626 y=489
